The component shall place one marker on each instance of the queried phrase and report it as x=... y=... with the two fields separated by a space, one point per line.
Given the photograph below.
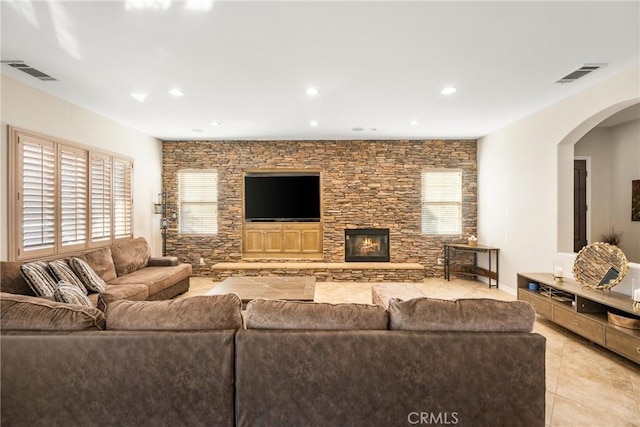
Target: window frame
x=441 y=203
x=15 y=235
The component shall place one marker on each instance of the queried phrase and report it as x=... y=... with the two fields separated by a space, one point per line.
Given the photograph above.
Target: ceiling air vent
x=19 y=65
x=580 y=72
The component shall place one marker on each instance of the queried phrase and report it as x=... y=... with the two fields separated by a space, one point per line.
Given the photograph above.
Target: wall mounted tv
x=282 y=196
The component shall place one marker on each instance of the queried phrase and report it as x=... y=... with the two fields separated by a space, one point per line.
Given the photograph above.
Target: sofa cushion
x=114 y=293
x=193 y=313
x=101 y=262
x=156 y=278
x=71 y=294
x=11 y=279
x=130 y=255
x=484 y=314
x=62 y=271
x=276 y=314
x=21 y=312
x=87 y=275
x=37 y=275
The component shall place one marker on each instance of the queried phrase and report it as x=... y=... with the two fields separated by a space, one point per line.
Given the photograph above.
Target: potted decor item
x=612 y=237
x=473 y=241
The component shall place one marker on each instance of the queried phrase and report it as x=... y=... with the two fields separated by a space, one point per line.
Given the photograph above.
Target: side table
x=456 y=251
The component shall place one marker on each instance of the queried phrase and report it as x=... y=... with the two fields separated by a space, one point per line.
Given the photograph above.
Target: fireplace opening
x=366 y=245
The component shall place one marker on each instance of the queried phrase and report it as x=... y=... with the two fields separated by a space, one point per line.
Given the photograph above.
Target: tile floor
x=587 y=385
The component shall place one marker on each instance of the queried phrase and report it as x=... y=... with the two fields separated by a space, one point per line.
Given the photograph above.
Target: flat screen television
x=282 y=197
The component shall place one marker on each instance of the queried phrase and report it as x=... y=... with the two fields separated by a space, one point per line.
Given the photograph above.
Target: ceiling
x=378 y=65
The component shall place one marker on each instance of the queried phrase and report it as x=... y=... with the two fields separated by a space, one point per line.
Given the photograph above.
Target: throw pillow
x=62 y=271
x=193 y=313
x=71 y=294
x=484 y=314
x=37 y=276
x=89 y=278
x=21 y=312
x=276 y=314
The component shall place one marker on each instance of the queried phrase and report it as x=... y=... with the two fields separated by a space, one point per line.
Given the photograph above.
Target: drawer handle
x=575 y=322
x=638 y=350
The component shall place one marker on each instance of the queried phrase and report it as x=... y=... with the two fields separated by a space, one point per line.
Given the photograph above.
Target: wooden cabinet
x=282 y=240
x=582 y=311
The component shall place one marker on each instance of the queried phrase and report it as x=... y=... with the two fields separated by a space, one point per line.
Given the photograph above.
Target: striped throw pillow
x=37 y=276
x=87 y=275
x=62 y=271
x=71 y=294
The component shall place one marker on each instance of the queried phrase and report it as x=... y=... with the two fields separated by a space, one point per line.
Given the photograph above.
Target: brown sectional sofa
x=191 y=362
x=127 y=268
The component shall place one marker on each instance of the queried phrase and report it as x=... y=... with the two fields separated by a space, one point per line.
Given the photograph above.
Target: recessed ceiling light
x=414 y=122
x=216 y=124
x=448 y=90
x=176 y=92
x=312 y=91
x=313 y=123
x=140 y=96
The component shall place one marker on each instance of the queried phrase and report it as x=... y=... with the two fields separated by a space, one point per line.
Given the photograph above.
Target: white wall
x=525 y=176
x=28 y=108
x=615 y=162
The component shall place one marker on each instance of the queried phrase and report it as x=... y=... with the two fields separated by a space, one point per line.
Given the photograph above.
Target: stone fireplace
x=366 y=245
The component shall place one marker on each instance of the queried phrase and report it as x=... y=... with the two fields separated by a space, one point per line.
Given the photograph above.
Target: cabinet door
x=292 y=240
x=310 y=241
x=253 y=241
x=273 y=240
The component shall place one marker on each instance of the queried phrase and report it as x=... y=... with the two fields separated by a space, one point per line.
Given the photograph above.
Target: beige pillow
x=21 y=312
x=191 y=313
x=276 y=314
x=484 y=314
x=130 y=255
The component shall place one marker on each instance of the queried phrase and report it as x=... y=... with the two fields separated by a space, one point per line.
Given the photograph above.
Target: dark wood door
x=579 y=204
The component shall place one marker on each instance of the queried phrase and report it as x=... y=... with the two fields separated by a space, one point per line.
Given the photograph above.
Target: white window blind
x=101 y=190
x=442 y=202
x=73 y=196
x=37 y=193
x=64 y=197
x=122 y=198
x=198 y=202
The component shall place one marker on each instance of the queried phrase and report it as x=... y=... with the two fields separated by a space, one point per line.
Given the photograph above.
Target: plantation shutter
x=101 y=191
x=37 y=192
x=73 y=196
x=198 y=202
x=442 y=202
x=122 y=197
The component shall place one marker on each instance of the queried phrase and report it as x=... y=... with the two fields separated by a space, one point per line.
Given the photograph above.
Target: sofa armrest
x=163 y=261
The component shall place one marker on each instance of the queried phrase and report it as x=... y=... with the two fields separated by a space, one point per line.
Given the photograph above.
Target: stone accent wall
x=365 y=184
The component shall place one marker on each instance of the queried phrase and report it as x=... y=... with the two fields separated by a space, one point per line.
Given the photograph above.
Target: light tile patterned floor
x=587 y=385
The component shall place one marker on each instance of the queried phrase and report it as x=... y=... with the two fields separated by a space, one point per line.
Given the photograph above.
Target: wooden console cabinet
x=583 y=311
x=282 y=240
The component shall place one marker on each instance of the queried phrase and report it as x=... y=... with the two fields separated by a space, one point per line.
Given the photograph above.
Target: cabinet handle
x=638 y=350
x=575 y=322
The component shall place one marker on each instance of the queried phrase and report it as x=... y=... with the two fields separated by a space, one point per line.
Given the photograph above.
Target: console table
x=583 y=311
x=456 y=252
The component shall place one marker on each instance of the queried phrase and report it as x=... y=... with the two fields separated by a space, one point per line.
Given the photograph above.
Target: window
x=198 y=201
x=122 y=196
x=65 y=197
x=442 y=202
